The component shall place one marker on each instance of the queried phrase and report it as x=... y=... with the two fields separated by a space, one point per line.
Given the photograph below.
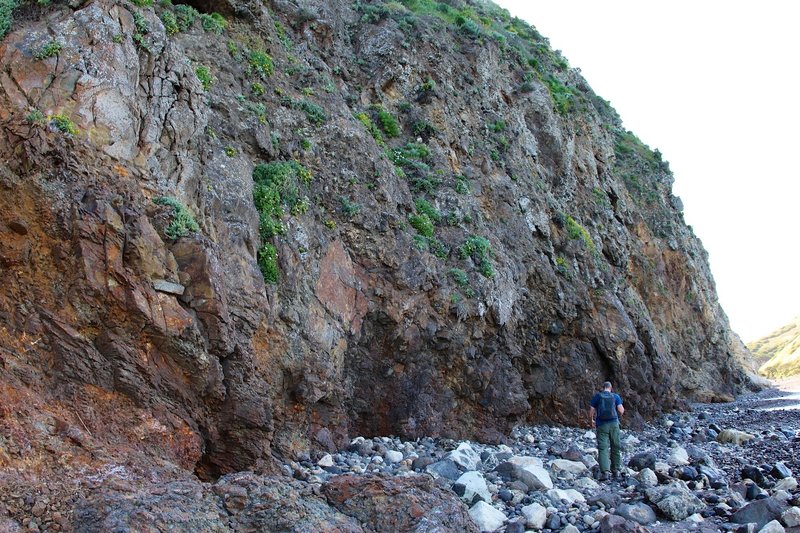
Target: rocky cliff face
x=778 y=354
x=226 y=236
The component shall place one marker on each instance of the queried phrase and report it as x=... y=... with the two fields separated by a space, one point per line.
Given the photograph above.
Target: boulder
x=535 y=515
x=572 y=467
x=791 y=517
x=444 y=468
x=530 y=471
x=675 y=501
x=612 y=523
x=642 y=460
x=732 y=436
x=760 y=512
x=678 y=457
x=780 y=471
x=716 y=477
x=393 y=456
x=474 y=484
x=364 y=498
x=647 y=478
x=465 y=456
x=788 y=484
x=570 y=496
x=772 y=527
x=486 y=517
x=638 y=512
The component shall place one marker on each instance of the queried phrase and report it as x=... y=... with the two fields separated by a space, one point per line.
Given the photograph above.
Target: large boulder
x=485 y=516
x=529 y=470
x=675 y=501
x=759 y=511
x=638 y=512
x=535 y=515
x=383 y=503
x=474 y=485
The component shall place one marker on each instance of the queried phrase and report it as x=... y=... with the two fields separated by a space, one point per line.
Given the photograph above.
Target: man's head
x=607 y=386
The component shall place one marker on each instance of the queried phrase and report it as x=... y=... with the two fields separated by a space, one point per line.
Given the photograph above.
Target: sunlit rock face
x=449 y=232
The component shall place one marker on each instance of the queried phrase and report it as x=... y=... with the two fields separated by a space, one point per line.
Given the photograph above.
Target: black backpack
x=607 y=410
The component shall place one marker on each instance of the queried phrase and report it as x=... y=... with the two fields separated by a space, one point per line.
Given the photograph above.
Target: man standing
x=605 y=411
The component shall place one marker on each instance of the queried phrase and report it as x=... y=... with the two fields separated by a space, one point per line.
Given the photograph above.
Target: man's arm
x=620 y=409
x=591 y=416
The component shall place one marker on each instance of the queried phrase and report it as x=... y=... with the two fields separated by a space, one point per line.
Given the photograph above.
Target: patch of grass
x=230 y=151
x=349 y=208
x=181 y=220
x=257 y=89
x=6 y=11
x=424 y=207
x=388 y=123
x=424 y=129
x=462 y=185
x=422 y=223
x=576 y=231
x=268 y=263
x=314 y=112
x=373 y=130
x=51 y=49
x=35 y=117
x=480 y=251
x=261 y=63
x=64 y=124
x=497 y=126
x=459 y=276
x=142 y=3
x=204 y=75
x=170 y=22
x=213 y=23
x=562 y=268
x=277 y=185
x=185 y=15
x=561 y=94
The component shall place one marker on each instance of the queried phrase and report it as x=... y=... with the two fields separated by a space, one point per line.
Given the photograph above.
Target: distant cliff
x=778 y=353
x=263 y=227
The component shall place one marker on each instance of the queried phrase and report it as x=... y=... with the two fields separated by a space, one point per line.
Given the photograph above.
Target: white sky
x=715 y=86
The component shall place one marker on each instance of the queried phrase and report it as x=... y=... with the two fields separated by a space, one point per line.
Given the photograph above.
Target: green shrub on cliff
x=268 y=263
x=276 y=186
x=576 y=231
x=186 y=15
x=480 y=251
x=181 y=221
x=6 y=11
x=213 y=23
x=204 y=75
x=53 y=48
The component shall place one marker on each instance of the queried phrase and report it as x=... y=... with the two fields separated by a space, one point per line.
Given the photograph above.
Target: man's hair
x=607 y=385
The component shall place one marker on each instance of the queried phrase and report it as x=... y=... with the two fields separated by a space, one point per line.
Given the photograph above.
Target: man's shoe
x=616 y=474
x=604 y=476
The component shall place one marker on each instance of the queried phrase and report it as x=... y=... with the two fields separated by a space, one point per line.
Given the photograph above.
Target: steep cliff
x=778 y=354
x=259 y=228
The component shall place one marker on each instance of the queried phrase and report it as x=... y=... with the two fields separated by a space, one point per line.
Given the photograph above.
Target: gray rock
x=612 y=523
x=444 y=468
x=647 y=478
x=772 y=527
x=675 y=501
x=759 y=512
x=780 y=471
x=168 y=287
x=791 y=517
x=643 y=460
x=464 y=456
x=535 y=515
x=638 y=512
x=487 y=517
x=474 y=484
